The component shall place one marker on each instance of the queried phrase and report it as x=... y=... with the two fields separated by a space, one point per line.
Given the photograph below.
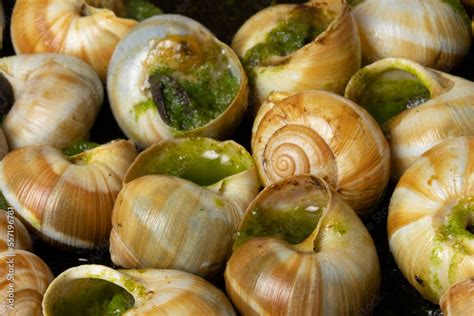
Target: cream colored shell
x=161 y=221
x=68 y=27
x=13 y=233
x=67 y=201
x=430 y=259
x=128 y=86
x=57 y=99
x=458 y=300
x=447 y=115
x=326 y=63
x=325 y=135
x=156 y=292
x=430 y=32
x=335 y=271
x=31 y=278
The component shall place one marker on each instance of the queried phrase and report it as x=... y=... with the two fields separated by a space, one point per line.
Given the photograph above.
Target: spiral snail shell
x=88 y=288
x=417 y=107
x=170 y=77
x=24 y=277
x=68 y=201
x=325 y=135
x=301 y=250
x=297 y=47
x=198 y=187
x=70 y=27
x=457 y=301
x=36 y=110
x=434 y=33
x=431 y=216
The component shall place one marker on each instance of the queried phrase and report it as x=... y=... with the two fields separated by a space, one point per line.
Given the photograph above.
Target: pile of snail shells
x=188 y=206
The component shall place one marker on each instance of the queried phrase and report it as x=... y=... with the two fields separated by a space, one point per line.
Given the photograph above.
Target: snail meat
x=180 y=81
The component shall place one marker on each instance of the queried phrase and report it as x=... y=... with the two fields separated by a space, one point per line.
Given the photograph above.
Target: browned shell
x=68 y=27
x=68 y=201
x=29 y=278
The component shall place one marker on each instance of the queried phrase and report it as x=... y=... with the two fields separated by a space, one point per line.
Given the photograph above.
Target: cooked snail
x=99 y=290
x=457 y=301
x=301 y=250
x=68 y=200
x=170 y=77
x=434 y=33
x=297 y=47
x=326 y=135
x=24 y=278
x=430 y=221
x=47 y=99
x=417 y=106
x=181 y=204
x=70 y=27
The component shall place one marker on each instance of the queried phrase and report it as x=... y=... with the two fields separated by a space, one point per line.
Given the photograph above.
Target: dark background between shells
x=224 y=17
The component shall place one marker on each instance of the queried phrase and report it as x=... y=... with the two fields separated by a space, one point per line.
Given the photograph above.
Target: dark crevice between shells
x=7 y=96
x=172 y=101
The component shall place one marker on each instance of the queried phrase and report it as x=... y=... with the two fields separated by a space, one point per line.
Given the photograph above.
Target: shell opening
x=461 y=219
x=299 y=27
x=79 y=147
x=391 y=92
x=191 y=81
x=289 y=211
x=7 y=96
x=90 y=296
x=200 y=160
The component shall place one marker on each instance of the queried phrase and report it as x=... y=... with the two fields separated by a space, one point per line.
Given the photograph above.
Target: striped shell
x=326 y=63
x=42 y=113
x=68 y=27
x=31 y=277
x=434 y=33
x=156 y=292
x=128 y=84
x=68 y=200
x=151 y=209
x=335 y=271
x=325 y=135
x=428 y=250
x=447 y=115
x=12 y=232
x=457 y=301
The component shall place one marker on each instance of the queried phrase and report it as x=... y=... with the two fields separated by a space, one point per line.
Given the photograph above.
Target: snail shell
x=158 y=201
x=325 y=135
x=457 y=301
x=24 y=278
x=68 y=27
x=40 y=112
x=154 y=292
x=434 y=33
x=128 y=83
x=326 y=63
x=430 y=213
x=447 y=113
x=333 y=271
x=13 y=233
x=67 y=200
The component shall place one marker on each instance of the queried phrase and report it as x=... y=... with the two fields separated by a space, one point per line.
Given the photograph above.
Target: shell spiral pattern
x=325 y=135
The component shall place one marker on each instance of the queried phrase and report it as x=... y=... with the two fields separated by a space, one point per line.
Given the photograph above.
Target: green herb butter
x=391 y=93
x=95 y=298
x=293 y=226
